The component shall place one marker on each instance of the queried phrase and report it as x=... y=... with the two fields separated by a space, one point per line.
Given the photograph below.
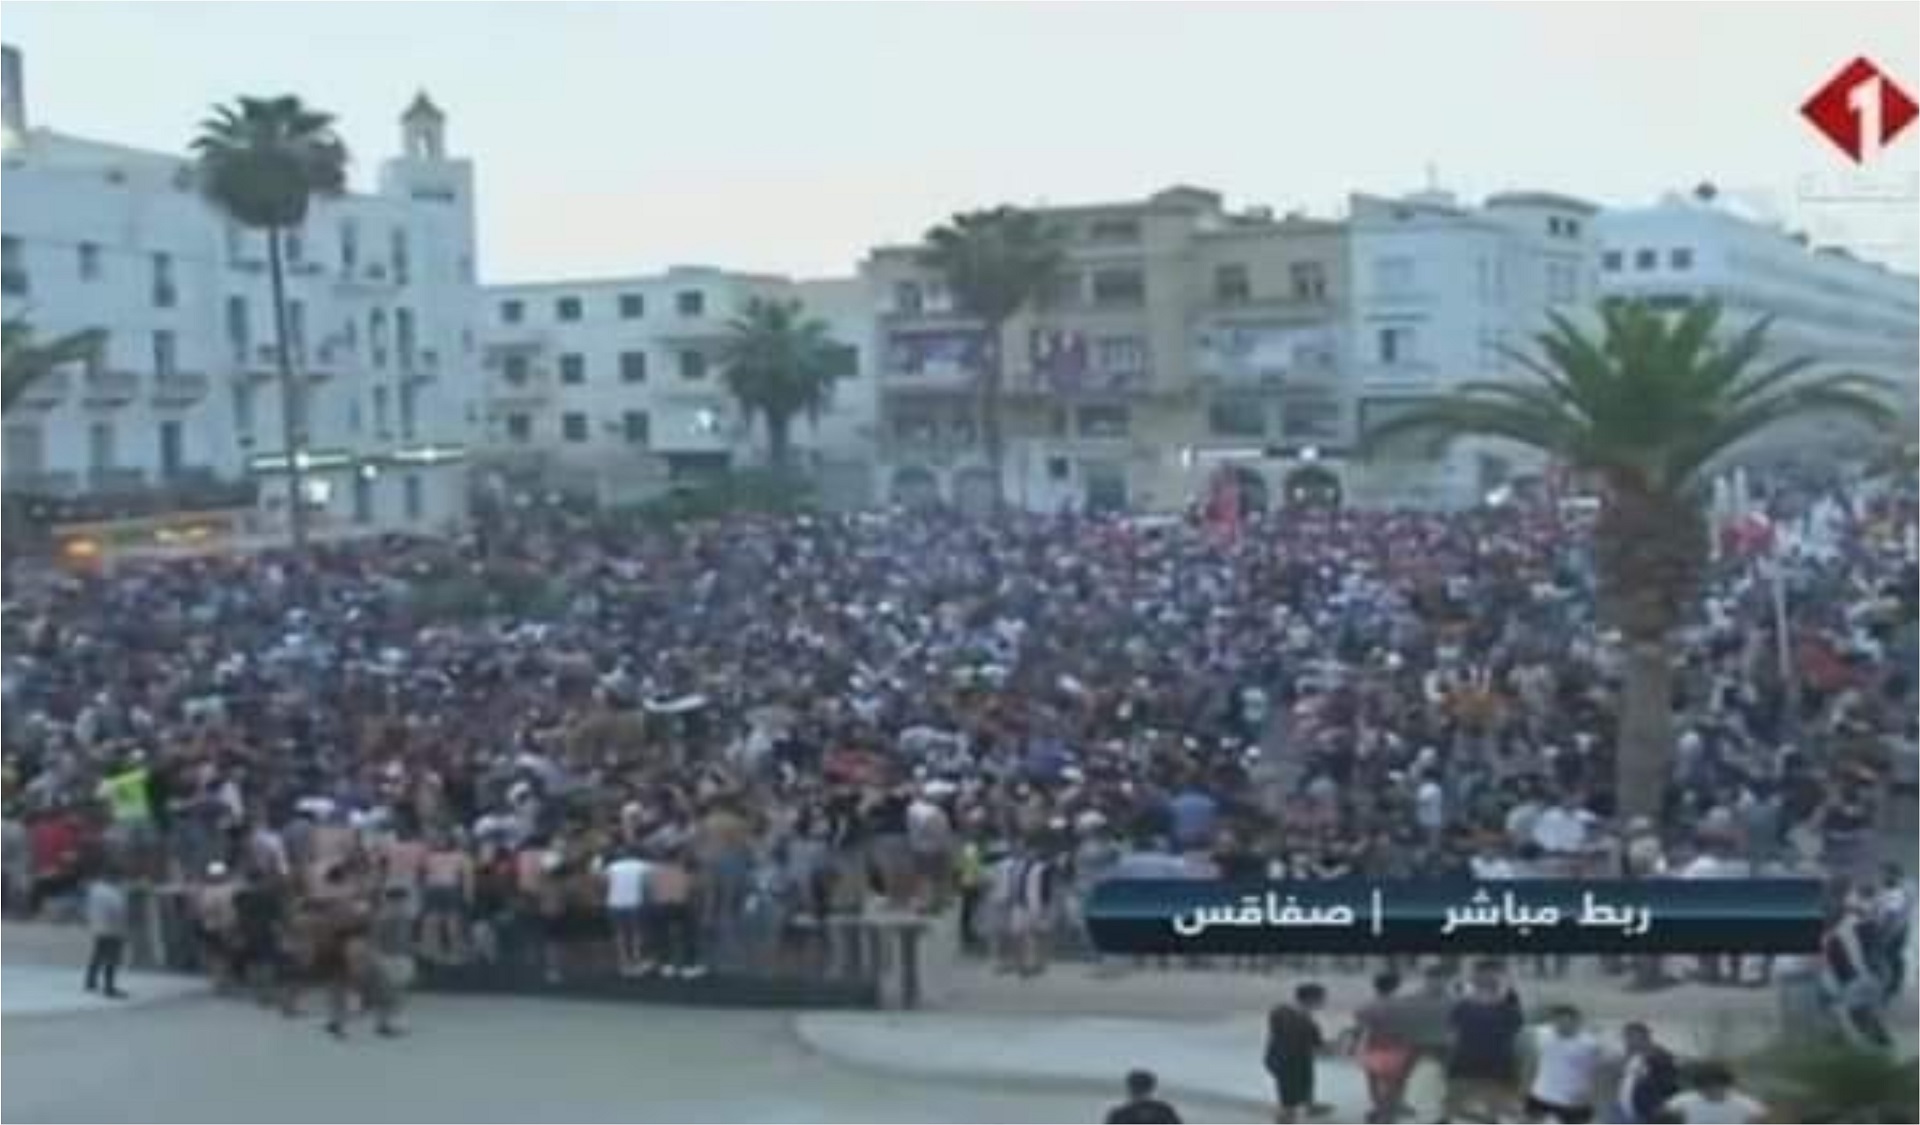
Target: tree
x=25 y=360
x=994 y=262
x=779 y=364
x=263 y=161
x=1649 y=410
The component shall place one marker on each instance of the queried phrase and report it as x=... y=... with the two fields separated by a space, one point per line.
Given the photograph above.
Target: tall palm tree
x=780 y=364
x=263 y=161
x=994 y=262
x=1648 y=409
x=24 y=360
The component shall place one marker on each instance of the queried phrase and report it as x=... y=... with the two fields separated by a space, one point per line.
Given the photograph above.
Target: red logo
x=1860 y=110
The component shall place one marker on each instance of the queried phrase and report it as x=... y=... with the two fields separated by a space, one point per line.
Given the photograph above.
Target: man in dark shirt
x=1141 y=1107
x=1483 y=1067
x=1293 y=1041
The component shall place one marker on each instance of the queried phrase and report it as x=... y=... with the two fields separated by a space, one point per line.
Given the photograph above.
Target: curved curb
x=813 y=1039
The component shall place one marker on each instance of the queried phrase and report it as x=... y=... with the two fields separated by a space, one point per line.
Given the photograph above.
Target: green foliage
x=994 y=261
x=263 y=160
x=1831 y=1081
x=780 y=364
x=25 y=360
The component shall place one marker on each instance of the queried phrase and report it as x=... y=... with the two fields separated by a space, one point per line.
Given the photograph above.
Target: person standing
x=1294 y=1041
x=1649 y=1077
x=1141 y=1106
x=626 y=879
x=1566 y=1070
x=1386 y=1047
x=106 y=909
x=1483 y=1067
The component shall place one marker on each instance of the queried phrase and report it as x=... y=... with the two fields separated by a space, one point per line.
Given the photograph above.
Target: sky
x=620 y=138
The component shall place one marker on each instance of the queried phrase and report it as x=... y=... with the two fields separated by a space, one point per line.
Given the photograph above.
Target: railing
x=110 y=387
x=111 y=480
x=180 y=387
x=44 y=483
x=50 y=389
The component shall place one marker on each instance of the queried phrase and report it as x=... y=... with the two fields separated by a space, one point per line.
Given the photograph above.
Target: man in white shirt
x=1567 y=1061
x=626 y=880
x=1560 y=829
x=1714 y=1100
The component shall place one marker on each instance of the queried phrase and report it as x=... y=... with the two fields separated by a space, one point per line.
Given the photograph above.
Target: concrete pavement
x=40 y=990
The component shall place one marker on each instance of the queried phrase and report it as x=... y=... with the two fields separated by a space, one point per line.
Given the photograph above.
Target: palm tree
x=994 y=262
x=1648 y=410
x=25 y=360
x=263 y=161
x=779 y=364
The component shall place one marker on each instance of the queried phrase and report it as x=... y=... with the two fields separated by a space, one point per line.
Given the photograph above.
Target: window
x=1119 y=287
x=1611 y=260
x=398 y=247
x=519 y=428
x=1062 y=290
x=242 y=393
x=1395 y=344
x=1393 y=276
x=13 y=266
x=297 y=328
x=573 y=368
x=172 y=448
x=408 y=395
x=512 y=312
x=567 y=308
x=1120 y=354
x=100 y=446
x=296 y=247
x=1571 y=228
x=239 y=327
x=1680 y=258
x=377 y=336
x=1308 y=281
x=349 y=245
x=690 y=302
x=573 y=427
x=693 y=365
x=1113 y=230
x=165 y=353
x=1102 y=420
x=164 y=295
x=403 y=337
x=89 y=261
x=1231 y=285
x=363 y=497
x=513 y=368
x=1645 y=259
x=1310 y=419
x=411 y=495
x=634 y=426
x=1237 y=417
x=381 y=426
x=633 y=367
x=909 y=298
x=1059 y=469
x=633 y=306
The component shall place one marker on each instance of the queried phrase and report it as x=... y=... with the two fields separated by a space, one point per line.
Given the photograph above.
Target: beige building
x=1179 y=339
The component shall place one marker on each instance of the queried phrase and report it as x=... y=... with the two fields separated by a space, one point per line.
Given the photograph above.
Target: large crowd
x=709 y=740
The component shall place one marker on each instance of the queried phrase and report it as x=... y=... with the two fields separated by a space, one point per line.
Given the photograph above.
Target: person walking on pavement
x=106 y=908
x=1293 y=1042
x=1141 y=1106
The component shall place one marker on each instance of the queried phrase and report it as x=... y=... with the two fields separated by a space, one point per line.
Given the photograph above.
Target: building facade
x=1845 y=313
x=380 y=289
x=1185 y=342
x=614 y=386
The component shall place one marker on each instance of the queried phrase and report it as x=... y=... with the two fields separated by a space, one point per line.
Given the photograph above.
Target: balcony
x=420 y=366
x=43 y=483
x=116 y=480
x=180 y=388
x=48 y=391
x=531 y=389
x=373 y=277
x=110 y=388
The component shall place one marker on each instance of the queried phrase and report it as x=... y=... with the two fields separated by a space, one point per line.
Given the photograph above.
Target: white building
x=614 y=385
x=381 y=296
x=1846 y=313
x=1439 y=291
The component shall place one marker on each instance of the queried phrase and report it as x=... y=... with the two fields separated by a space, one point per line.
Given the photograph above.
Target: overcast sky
x=623 y=137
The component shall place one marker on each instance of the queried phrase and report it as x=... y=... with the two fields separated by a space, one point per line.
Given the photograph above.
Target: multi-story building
x=1442 y=292
x=614 y=386
x=1185 y=341
x=1843 y=312
x=380 y=293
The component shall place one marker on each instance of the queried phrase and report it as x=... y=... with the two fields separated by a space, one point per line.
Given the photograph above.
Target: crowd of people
x=704 y=742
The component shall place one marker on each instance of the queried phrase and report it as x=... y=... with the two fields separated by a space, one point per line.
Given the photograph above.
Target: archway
x=915 y=486
x=973 y=491
x=1313 y=486
x=1249 y=488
